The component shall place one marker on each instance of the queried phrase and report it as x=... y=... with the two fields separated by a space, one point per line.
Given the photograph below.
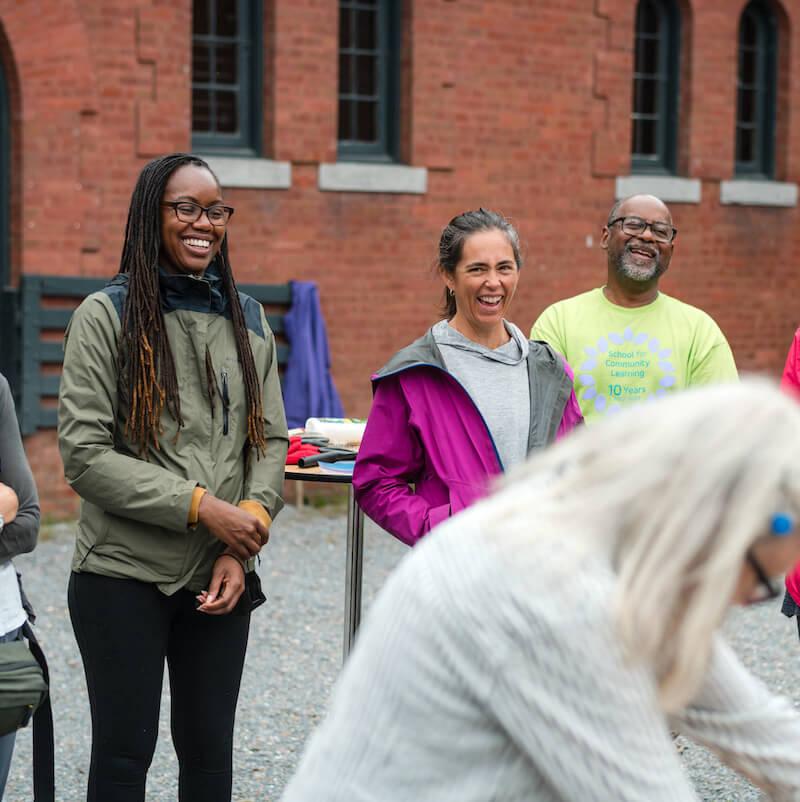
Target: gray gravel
x=293 y=658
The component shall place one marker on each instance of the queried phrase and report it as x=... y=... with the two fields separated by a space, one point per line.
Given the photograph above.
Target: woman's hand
x=227 y=584
x=9 y=503
x=242 y=532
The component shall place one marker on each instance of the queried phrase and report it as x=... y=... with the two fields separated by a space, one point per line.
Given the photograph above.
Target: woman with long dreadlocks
x=173 y=434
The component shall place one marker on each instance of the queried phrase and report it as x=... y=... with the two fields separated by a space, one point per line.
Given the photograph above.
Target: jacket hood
x=423 y=351
x=444 y=334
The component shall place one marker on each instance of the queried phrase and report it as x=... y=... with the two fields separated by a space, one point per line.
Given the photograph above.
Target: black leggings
x=124 y=630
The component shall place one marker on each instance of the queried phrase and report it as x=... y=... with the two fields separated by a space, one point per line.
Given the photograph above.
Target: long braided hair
x=147 y=376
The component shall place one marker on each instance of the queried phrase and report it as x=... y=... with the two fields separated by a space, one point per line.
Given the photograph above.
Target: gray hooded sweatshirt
x=497 y=381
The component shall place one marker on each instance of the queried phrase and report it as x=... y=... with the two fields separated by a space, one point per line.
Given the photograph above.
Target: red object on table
x=298 y=449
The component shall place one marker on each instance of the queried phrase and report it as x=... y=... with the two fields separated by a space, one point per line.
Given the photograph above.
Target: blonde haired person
x=540 y=645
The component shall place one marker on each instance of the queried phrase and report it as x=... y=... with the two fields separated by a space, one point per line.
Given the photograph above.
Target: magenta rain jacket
x=790 y=381
x=424 y=429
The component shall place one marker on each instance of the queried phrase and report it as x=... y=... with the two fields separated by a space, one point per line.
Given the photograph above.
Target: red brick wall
x=519 y=106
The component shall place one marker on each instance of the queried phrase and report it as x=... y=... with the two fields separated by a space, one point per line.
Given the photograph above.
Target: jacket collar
x=194 y=293
x=423 y=351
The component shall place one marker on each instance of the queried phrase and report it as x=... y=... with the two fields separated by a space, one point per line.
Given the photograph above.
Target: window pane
x=200 y=17
x=227 y=112
x=201 y=64
x=647 y=17
x=645 y=96
x=201 y=110
x=366 y=29
x=344 y=120
x=227 y=18
x=745 y=145
x=345 y=28
x=748 y=33
x=227 y=64
x=647 y=56
x=644 y=138
x=747 y=106
x=367 y=64
x=345 y=74
x=747 y=66
x=366 y=123
x=366 y=75
x=224 y=97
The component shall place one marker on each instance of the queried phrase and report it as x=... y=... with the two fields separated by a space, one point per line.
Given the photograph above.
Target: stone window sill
x=758 y=193
x=366 y=177
x=250 y=173
x=670 y=188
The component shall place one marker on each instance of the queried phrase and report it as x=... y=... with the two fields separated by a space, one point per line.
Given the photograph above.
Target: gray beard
x=627 y=267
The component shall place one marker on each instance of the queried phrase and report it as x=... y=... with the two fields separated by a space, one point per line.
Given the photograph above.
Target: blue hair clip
x=781 y=524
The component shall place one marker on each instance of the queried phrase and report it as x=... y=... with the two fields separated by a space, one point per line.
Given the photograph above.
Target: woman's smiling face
x=483 y=283
x=190 y=248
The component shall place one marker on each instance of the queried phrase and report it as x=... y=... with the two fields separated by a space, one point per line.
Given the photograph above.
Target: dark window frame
x=765 y=85
x=386 y=147
x=5 y=184
x=667 y=102
x=10 y=353
x=250 y=85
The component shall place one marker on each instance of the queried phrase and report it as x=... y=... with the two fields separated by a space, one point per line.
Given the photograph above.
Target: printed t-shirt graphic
x=622 y=355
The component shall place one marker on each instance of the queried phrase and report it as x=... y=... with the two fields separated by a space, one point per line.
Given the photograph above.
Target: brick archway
x=7 y=334
x=51 y=90
x=29 y=36
x=5 y=191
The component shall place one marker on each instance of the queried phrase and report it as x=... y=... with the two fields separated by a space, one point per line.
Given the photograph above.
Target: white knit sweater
x=479 y=677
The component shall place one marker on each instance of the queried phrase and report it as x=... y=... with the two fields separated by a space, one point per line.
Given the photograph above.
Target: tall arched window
x=7 y=339
x=757 y=85
x=226 y=76
x=369 y=80
x=5 y=189
x=655 y=87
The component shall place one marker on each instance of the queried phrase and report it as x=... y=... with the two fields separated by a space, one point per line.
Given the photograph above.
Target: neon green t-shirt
x=621 y=355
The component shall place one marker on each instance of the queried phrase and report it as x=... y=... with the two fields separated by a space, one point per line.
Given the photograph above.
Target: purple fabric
x=422 y=428
x=790 y=382
x=572 y=416
x=308 y=388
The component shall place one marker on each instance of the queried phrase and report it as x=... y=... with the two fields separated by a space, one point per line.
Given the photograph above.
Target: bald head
x=648 y=207
x=637 y=255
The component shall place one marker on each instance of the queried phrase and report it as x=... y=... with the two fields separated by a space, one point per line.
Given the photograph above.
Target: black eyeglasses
x=634 y=226
x=767 y=588
x=190 y=212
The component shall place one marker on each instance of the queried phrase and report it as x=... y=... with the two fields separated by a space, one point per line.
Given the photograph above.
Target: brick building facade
x=519 y=105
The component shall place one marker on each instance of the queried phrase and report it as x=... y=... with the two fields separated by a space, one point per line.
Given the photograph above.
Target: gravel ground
x=293 y=658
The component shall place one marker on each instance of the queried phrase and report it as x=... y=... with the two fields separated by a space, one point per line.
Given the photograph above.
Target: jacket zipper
x=225 y=401
x=86 y=556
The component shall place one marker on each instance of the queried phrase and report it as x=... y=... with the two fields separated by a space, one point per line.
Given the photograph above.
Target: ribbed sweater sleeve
x=752 y=730
x=492 y=671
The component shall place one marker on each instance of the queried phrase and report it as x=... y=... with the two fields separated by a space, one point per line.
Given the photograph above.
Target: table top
x=314 y=474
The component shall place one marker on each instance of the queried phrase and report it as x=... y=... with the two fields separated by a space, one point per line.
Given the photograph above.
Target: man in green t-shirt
x=627 y=342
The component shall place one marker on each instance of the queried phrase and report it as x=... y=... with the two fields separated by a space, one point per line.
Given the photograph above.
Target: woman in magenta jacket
x=468 y=399
x=790 y=381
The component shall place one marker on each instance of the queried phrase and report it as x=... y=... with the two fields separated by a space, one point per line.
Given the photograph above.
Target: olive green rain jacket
x=134 y=512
